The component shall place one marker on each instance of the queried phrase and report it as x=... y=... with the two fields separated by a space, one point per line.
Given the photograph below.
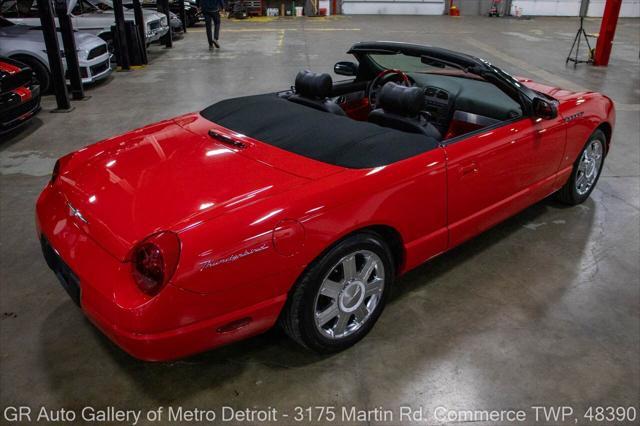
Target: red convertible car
x=302 y=207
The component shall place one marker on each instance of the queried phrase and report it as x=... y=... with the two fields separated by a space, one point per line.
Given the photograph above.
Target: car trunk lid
x=162 y=177
x=255 y=149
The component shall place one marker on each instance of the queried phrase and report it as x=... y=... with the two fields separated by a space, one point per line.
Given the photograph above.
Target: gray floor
x=541 y=310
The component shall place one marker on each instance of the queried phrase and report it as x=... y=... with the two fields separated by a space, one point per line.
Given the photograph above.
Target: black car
x=193 y=12
x=19 y=94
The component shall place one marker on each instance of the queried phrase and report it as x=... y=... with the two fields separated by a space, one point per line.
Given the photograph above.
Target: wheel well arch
x=28 y=56
x=607 y=130
x=392 y=238
x=388 y=234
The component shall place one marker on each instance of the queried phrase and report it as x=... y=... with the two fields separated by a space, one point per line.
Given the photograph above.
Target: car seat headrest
x=313 y=85
x=401 y=100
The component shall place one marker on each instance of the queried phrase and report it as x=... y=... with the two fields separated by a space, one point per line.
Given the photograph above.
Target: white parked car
x=91 y=16
x=26 y=44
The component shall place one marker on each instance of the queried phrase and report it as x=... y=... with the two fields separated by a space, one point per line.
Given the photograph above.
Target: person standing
x=211 y=10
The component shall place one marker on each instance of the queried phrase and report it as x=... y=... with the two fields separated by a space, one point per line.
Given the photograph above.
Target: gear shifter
x=426 y=115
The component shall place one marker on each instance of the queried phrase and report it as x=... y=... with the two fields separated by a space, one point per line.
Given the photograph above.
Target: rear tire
x=336 y=302
x=586 y=171
x=40 y=72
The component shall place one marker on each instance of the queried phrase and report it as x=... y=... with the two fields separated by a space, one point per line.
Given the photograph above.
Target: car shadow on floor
x=20 y=133
x=157 y=52
x=88 y=87
x=429 y=272
x=69 y=340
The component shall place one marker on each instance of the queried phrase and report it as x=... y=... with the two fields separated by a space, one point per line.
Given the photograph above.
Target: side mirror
x=346 y=68
x=544 y=109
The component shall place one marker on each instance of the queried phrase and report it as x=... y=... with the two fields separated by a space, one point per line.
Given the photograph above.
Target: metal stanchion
x=53 y=55
x=139 y=17
x=70 y=50
x=120 y=36
x=163 y=7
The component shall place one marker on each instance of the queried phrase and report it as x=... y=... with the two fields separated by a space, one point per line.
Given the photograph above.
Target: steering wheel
x=372 y=89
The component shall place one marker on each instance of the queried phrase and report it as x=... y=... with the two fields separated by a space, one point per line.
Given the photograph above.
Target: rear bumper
x=171 y=325
x=187 y=340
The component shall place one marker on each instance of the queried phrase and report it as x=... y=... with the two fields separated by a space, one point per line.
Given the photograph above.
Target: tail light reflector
x=154 y=261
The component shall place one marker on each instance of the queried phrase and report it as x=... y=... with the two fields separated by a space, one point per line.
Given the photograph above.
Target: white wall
x=393 y=7
x=630 y=8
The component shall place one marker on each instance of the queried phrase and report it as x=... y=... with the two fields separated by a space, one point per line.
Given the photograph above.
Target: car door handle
x=469 y=169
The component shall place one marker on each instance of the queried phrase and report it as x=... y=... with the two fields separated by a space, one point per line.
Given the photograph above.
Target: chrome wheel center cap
x=351 y=296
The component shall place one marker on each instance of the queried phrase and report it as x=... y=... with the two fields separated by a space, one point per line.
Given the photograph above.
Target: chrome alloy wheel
x=349 y=294
x=589 y=166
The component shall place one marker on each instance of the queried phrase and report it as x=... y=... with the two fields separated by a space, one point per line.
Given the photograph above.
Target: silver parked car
x=26 y=44
x=92 y=16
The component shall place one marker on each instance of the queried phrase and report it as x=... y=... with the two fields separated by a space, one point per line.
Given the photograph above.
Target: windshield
x=83 y=7
x=5 y=23
x=406 y=63
x=101 y=4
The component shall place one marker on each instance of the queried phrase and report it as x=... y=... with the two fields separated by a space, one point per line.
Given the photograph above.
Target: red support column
x=607 y=32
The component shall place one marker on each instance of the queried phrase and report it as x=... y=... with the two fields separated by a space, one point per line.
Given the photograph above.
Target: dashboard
x=449 y=97
x=439 y=105
x=468 y=95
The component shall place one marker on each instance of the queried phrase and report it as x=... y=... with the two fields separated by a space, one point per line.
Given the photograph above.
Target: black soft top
x=315 y=134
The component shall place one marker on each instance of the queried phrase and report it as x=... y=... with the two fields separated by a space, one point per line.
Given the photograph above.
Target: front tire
x=586 y=171
x=339 y=298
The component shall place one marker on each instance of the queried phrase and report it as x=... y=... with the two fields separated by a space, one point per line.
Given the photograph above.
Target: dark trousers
x=208 y=17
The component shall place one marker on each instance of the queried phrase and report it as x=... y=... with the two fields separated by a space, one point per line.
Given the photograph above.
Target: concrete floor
x=541 y=310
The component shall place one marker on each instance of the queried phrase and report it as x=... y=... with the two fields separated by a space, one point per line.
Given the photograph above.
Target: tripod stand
x=576 y=45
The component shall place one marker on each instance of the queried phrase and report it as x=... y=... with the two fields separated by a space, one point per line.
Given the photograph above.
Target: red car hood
x=165 y=177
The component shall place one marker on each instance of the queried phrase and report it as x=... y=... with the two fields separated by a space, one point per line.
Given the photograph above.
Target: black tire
x=569 y=194
x=298 y=316
x=40 y=72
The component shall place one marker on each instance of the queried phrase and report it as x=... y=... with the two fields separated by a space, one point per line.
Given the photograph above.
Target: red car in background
x=19 y=94
x=303 y=206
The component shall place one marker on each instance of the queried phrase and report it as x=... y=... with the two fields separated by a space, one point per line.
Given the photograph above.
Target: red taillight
x=154 y=261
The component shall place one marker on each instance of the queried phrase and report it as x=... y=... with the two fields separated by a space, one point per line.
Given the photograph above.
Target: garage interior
x=541 y=309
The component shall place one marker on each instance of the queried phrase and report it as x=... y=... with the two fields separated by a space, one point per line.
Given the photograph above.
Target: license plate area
x=70 y=281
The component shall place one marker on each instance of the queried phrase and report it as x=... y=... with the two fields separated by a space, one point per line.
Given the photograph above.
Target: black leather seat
x=313 y=90
x=399 y=108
